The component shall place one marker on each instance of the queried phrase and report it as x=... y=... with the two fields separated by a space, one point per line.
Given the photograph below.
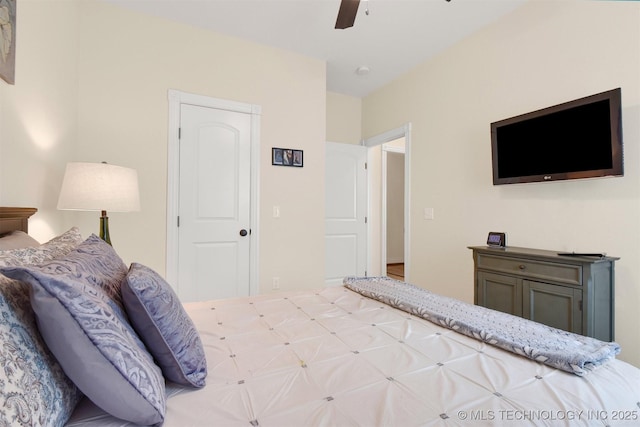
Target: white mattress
x=334 y=358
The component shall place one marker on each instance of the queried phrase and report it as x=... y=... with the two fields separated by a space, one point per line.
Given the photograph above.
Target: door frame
x=403 y=131
x=176 y=98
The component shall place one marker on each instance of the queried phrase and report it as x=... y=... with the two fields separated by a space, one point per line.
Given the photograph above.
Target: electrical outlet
x=275 y=284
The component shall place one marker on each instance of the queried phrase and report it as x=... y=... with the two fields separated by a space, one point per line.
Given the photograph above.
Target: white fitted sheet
x=332 y=357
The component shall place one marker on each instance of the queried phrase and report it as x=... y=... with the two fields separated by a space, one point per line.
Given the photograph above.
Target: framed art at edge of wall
x=286 y=157
x=8 y=40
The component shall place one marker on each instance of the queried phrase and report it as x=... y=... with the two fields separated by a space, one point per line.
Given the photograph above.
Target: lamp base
x=104 y=227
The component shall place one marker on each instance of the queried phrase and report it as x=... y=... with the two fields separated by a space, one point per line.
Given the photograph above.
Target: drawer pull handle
x=522 y=267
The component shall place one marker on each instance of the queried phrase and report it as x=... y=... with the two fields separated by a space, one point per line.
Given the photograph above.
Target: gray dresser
x=574 y=293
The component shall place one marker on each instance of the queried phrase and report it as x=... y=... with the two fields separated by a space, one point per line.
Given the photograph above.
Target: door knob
x=243 y=232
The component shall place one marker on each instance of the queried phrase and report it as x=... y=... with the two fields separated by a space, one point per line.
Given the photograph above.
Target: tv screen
x=576 y=139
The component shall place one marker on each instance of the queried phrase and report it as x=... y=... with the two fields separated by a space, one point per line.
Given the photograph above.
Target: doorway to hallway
x=390 y=188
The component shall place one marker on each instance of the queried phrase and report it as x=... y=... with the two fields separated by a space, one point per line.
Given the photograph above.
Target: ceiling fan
x=347 y=14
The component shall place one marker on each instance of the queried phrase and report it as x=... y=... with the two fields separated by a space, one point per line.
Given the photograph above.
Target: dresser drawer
x=548 y=271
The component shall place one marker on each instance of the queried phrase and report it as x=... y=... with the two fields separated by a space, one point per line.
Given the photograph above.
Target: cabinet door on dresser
x=499 y=292
x=553 y=305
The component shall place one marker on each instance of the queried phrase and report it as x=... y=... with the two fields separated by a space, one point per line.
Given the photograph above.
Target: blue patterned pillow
x=80 y=315
x=162 y=323
x=34 y=390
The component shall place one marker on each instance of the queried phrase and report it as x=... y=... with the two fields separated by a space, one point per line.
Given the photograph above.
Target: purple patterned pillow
x=80 y=316
x=34 y=390
x=163 y=325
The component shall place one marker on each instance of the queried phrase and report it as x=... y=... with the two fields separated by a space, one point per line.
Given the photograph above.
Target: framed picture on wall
x=8 y=40
x=297 y=158
x=276 y=156
x=287 y=157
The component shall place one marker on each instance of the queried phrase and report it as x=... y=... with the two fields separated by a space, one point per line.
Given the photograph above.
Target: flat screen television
x=577 y=139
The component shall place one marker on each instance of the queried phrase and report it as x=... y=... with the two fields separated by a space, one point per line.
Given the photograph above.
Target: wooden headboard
x=12 y=219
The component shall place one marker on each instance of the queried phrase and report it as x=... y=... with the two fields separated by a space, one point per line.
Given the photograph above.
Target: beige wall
x=125 y=74
x=38 y=115
x=344 y=118
x=102 y=74
x=542 y=54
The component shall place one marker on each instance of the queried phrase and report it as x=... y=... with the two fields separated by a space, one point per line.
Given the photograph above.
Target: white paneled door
x=345 y=212
x=214 y=235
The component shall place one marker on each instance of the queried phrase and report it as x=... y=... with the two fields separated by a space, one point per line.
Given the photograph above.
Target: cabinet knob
x=522 y=267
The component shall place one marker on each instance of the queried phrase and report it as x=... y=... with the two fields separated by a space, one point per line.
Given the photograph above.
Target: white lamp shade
x=99 y=187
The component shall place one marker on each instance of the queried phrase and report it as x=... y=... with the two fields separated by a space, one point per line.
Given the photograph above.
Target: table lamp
x=99 y=187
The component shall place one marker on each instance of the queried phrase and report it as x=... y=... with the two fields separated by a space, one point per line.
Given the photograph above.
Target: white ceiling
x=395 y=36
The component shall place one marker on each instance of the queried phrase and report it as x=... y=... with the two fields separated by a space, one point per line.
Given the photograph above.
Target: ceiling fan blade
x=347 y=14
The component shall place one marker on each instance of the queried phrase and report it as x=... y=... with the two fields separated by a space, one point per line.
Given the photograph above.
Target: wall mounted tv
x=576 y=139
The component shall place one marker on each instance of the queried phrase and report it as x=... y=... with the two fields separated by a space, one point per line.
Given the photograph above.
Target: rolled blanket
x=560 y=349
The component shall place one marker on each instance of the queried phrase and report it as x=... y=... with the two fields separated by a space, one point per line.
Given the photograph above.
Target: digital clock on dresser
x=497 y=239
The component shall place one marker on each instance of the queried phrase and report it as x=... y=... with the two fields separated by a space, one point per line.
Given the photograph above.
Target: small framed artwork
x=276 y=156
x=297 y=158
x=8 y=40
x=287 y=157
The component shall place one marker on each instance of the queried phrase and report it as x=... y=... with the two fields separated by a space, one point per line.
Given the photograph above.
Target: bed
x=352 y=355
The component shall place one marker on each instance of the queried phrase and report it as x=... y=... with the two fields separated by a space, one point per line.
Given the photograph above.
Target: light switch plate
x=428 y=213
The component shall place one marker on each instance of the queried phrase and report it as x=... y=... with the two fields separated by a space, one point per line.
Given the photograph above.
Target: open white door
x=345 y=212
